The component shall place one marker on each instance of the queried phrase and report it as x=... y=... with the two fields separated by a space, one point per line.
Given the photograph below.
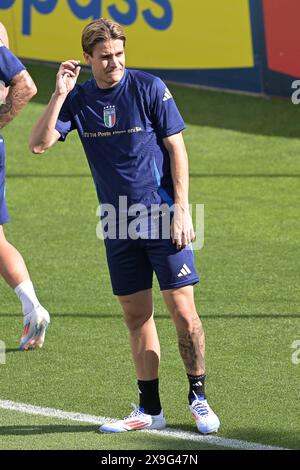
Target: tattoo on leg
x=191 y=346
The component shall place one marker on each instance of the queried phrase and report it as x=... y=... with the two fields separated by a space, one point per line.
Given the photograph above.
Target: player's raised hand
x=66 y=77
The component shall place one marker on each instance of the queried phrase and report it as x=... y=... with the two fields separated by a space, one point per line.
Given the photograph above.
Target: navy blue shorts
x=3 y=210
x=132 y=263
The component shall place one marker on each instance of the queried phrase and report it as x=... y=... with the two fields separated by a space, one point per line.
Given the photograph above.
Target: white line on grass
x=168 y=432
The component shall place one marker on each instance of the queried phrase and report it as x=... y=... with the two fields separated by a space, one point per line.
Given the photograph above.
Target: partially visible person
x=16 y=90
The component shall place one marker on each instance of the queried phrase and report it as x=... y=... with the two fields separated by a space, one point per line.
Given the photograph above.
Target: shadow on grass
x=44 y=429
x=285 y=438
x=256 y=436
x=246 y=437
x=12 y=350
x=247 y=114
x=18 y=350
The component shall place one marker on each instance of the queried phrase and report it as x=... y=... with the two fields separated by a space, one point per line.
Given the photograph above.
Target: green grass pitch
x=245 y=168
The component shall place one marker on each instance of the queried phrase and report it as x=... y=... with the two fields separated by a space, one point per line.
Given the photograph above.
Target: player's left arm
x=182 y=231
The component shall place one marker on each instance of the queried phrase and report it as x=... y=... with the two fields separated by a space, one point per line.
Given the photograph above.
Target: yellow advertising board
x=163 y=34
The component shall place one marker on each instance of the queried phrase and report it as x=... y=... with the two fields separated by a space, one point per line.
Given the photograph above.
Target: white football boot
x=35 y=325
x=206 y=420
x=135 y=421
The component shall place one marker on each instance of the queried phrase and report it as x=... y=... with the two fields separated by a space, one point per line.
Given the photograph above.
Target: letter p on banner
x=2 y=352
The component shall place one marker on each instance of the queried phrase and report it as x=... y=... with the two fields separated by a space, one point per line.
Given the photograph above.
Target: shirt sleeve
x=65 y=122
x=166 y=117
x=10 y=65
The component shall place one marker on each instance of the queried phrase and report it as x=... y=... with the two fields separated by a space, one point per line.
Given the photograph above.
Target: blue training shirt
x=9 y=65
x=122 y=130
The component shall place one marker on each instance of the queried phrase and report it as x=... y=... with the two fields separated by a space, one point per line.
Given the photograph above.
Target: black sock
x=149 y=396
x=197 y=386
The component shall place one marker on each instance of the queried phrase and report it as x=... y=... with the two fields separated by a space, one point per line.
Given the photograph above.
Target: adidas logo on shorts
x=184 y=271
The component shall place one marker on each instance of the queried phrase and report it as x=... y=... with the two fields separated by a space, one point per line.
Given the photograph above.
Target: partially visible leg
x=12 y=265
x=191 y=341
x=138 y=316
x=191 y=338
x=15 y=273
x=173 y=266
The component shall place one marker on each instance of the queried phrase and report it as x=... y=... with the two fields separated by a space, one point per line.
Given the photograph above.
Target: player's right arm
x=16 y=85
x=21 y=90
x=44 y=135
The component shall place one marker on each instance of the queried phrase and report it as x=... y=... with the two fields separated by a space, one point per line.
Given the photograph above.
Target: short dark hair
x=100 y=30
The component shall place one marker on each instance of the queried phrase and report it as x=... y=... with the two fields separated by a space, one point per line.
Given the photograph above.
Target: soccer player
x=16 y=89
x=130 y=129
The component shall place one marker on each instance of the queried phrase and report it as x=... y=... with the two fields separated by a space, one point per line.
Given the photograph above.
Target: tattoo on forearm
x=191 y=347
x=19 y=94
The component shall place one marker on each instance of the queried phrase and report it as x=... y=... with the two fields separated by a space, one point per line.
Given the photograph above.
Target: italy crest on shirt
x=109 y=116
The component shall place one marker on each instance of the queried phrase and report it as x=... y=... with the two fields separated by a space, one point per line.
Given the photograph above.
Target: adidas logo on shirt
x=184 y=271
x=167 y=95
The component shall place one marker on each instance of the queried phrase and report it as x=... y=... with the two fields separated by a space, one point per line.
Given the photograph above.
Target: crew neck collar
x=112 y=89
